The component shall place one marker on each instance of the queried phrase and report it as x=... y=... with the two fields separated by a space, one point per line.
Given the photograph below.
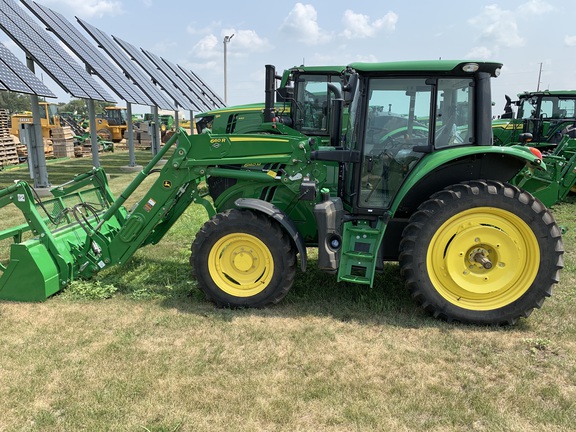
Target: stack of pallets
x=8 y=153
x=63 y=142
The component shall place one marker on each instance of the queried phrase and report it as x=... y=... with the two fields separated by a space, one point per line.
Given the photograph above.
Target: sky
x=534 y=39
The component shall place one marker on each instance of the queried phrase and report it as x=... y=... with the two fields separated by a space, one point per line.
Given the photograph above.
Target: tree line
x=17 y=102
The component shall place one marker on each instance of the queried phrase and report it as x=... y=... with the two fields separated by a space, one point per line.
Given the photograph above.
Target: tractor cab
x=547 y=115
x=308 y=93
x=302 y=100
x=396 y=121
x=115 y=116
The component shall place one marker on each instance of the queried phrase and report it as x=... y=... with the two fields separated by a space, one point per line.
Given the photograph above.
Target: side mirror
x=284 y=94
x=525 y=137
x=336 y=122
x=349 y=88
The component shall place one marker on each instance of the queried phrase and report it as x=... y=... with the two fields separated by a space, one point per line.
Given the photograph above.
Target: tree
x=75 y=106
x=15 y=102
x=80 y=107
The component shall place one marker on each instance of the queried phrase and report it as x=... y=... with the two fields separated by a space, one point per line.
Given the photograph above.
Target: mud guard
x=282 y=218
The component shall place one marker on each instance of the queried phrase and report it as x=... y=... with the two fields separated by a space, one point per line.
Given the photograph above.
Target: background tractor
x=412 y=177
x=303 y=102
x=112 y=124
x=547 y=121
x=49 y=119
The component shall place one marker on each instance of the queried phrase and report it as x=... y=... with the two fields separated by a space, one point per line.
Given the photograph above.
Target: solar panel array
x=179 y=80
x=16 y=77
x=49 y=55
x=89 y=54
x=156 y=75
x=174 y=79
x=216 y=100
x=130 y=68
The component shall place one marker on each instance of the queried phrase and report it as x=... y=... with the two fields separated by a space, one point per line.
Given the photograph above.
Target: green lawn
x=139 y=349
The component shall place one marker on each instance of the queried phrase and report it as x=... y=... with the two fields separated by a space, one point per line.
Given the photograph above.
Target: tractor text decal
x=148 y=206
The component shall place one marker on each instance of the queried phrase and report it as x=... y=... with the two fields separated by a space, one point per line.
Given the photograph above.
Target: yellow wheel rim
x=483 y=258
x=241 y=265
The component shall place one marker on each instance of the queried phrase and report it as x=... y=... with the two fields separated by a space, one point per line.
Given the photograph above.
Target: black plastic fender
x=282 y=218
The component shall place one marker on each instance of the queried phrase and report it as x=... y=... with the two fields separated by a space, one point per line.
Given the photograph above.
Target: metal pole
x=131 y=154
x=155 y=132
x=36 y=155
x=93 y=134
x=226 y=42
x=539 y=76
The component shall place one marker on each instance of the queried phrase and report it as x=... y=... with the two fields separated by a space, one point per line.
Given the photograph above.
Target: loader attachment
x=84 y=229
x=45 y=251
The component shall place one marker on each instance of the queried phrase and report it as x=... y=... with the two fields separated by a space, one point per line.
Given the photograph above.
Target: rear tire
x=104 y=134
x=243 y=259
x=481 y=252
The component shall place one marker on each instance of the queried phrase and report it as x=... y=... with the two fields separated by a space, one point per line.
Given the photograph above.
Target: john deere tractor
x=545 y=120
x=424 y=187
x=303 y=101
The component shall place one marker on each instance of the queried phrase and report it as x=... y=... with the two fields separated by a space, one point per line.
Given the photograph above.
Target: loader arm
x=84 y=229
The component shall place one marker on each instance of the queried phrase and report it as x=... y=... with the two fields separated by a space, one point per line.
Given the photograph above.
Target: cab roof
x=426 y=66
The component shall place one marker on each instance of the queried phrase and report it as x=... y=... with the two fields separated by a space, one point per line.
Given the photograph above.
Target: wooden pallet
x=8 y=152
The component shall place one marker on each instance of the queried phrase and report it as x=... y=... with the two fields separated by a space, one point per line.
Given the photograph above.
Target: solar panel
x=16 y=77
x=89 y=54
x=156 y=75
x=130 y=68
x=216 y=100
x=49 y=55
x=179 y=79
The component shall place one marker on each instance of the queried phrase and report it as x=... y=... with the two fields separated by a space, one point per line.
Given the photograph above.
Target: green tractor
x=303 y=101
x=432 y=194
x=546 y=115
x=547 y=121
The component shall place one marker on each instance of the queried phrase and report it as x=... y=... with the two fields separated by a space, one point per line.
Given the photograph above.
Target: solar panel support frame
x=35 y=141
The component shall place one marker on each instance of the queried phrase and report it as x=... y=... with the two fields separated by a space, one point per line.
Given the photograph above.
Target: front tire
x=481 y=252
x=243 y=259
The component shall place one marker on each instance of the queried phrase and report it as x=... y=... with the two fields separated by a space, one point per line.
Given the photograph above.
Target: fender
x=432 y=162
x=282 y=218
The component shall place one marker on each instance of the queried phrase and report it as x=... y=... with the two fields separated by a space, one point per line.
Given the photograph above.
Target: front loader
x=424 y=187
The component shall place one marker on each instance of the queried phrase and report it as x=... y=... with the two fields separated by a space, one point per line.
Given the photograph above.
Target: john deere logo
x=167 y=184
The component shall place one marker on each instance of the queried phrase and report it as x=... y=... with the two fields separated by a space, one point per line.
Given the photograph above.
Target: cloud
x=498 y=27
x=206 y=47
x=194 y=29
x=242 y=43
x=535 y=7
x=358 y=26
x=480 y=53
x=570 y=41
x=301 y=25
x=89 y=8
x=245 y=41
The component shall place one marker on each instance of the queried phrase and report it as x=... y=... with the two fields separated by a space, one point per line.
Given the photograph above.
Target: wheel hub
x=480 y=256
x=244 y=260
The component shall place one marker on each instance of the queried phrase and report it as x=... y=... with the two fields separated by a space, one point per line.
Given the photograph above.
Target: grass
x=139 y=349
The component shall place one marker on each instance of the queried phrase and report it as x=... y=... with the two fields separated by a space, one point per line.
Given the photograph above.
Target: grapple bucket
x=46 y=251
